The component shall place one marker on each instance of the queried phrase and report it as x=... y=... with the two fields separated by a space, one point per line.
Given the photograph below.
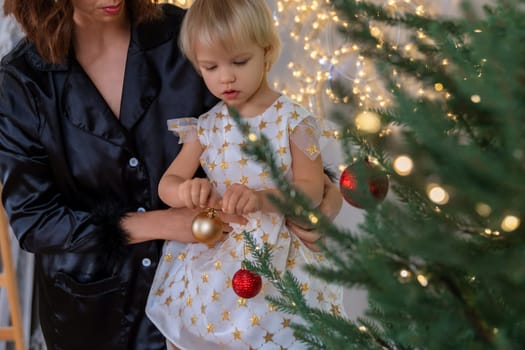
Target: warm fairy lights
x=475 y=99
x=319 y=57
x=362 y=328
x=423 y=281
x=510 y=223
x=313 y=218
x=368 y=121
x=404 y=276
x=437 y=194
x=403 y=165
x=483 y=209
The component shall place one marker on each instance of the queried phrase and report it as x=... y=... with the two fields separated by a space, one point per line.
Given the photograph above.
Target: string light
x=313 y=28
x=423 y=281
x=483 y=209
x=403 y=165
x=437 y=194
x=404 y=276
x=368 y=121
x=475 y=98
x=510 y=223
x=313 y=218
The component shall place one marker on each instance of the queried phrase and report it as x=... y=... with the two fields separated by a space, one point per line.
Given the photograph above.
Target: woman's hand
x=169 y=224
x=332 y=199
x=307 y=236
x=330 y=207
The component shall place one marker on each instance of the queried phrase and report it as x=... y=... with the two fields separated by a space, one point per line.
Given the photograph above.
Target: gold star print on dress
x=203 y=311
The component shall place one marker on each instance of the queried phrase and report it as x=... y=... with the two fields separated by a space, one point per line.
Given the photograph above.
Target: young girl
x=233 y=43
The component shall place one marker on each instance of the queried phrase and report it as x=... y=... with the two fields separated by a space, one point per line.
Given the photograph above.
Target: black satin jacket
x=70 y=169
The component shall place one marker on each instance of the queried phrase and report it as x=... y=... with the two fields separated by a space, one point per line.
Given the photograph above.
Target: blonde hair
x=229 y=23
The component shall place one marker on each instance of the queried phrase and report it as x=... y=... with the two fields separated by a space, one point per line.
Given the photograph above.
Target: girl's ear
x=267 y=57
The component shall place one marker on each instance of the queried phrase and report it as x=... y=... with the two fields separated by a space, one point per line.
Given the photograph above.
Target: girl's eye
x=240 y=63
x=209 y=68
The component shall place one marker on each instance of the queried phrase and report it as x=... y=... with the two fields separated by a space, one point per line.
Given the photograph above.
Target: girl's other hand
x=241 y=200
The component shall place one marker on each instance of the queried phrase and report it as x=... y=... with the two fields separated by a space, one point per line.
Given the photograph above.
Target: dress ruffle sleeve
x=184 y=128
x=306 y=137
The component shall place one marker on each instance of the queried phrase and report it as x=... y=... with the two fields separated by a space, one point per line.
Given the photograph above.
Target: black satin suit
x=70 y=169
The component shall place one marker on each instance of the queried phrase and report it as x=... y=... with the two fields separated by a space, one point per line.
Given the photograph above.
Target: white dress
x=191 y=300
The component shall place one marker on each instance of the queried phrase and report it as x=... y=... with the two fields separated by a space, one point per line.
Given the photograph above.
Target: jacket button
x=133 y=162
x=141 y=209
x=146 y=262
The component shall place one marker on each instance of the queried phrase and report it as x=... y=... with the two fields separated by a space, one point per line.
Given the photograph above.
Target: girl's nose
x=227 y=76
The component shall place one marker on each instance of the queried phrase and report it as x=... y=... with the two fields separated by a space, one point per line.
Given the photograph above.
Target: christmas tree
x=442 y=255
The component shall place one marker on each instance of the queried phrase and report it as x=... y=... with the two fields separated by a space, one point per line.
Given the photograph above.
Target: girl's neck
x=259 y=102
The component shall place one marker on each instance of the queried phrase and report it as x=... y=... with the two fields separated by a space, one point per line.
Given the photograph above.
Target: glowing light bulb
x=475 y=98
x=437 y=194
x=483 y=209
x=403 y=165
x=510 y=223
x=368 y=122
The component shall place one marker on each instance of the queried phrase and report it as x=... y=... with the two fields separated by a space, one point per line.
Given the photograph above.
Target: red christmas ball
x=246 y=283
x=363 y=184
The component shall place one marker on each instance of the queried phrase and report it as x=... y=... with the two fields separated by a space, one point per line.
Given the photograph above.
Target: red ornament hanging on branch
x=363 y=184
x=246 y=283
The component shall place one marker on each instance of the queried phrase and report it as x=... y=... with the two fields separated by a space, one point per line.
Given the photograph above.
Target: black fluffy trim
x=108 y=215
x=330 y=174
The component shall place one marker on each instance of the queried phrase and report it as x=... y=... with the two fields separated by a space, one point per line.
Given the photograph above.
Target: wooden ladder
x=8 y=281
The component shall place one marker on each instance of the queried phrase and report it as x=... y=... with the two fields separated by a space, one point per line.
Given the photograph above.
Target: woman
x=84 y=102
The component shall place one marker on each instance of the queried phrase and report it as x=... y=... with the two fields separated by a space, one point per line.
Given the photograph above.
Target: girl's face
x=237 y=76
x=98 y=11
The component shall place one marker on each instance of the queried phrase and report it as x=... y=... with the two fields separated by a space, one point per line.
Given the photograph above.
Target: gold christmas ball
x=207 y=227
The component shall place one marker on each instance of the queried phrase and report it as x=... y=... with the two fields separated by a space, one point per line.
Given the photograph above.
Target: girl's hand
x=197 y=193
x=241 y=200
x=227 y=220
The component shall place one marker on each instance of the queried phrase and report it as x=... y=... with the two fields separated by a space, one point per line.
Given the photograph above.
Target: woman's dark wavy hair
x=48 y=24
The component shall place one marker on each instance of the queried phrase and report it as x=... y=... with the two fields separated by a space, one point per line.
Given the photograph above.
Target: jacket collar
x=141 y=86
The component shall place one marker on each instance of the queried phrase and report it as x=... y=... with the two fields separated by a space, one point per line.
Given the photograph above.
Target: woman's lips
x=112 y=10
